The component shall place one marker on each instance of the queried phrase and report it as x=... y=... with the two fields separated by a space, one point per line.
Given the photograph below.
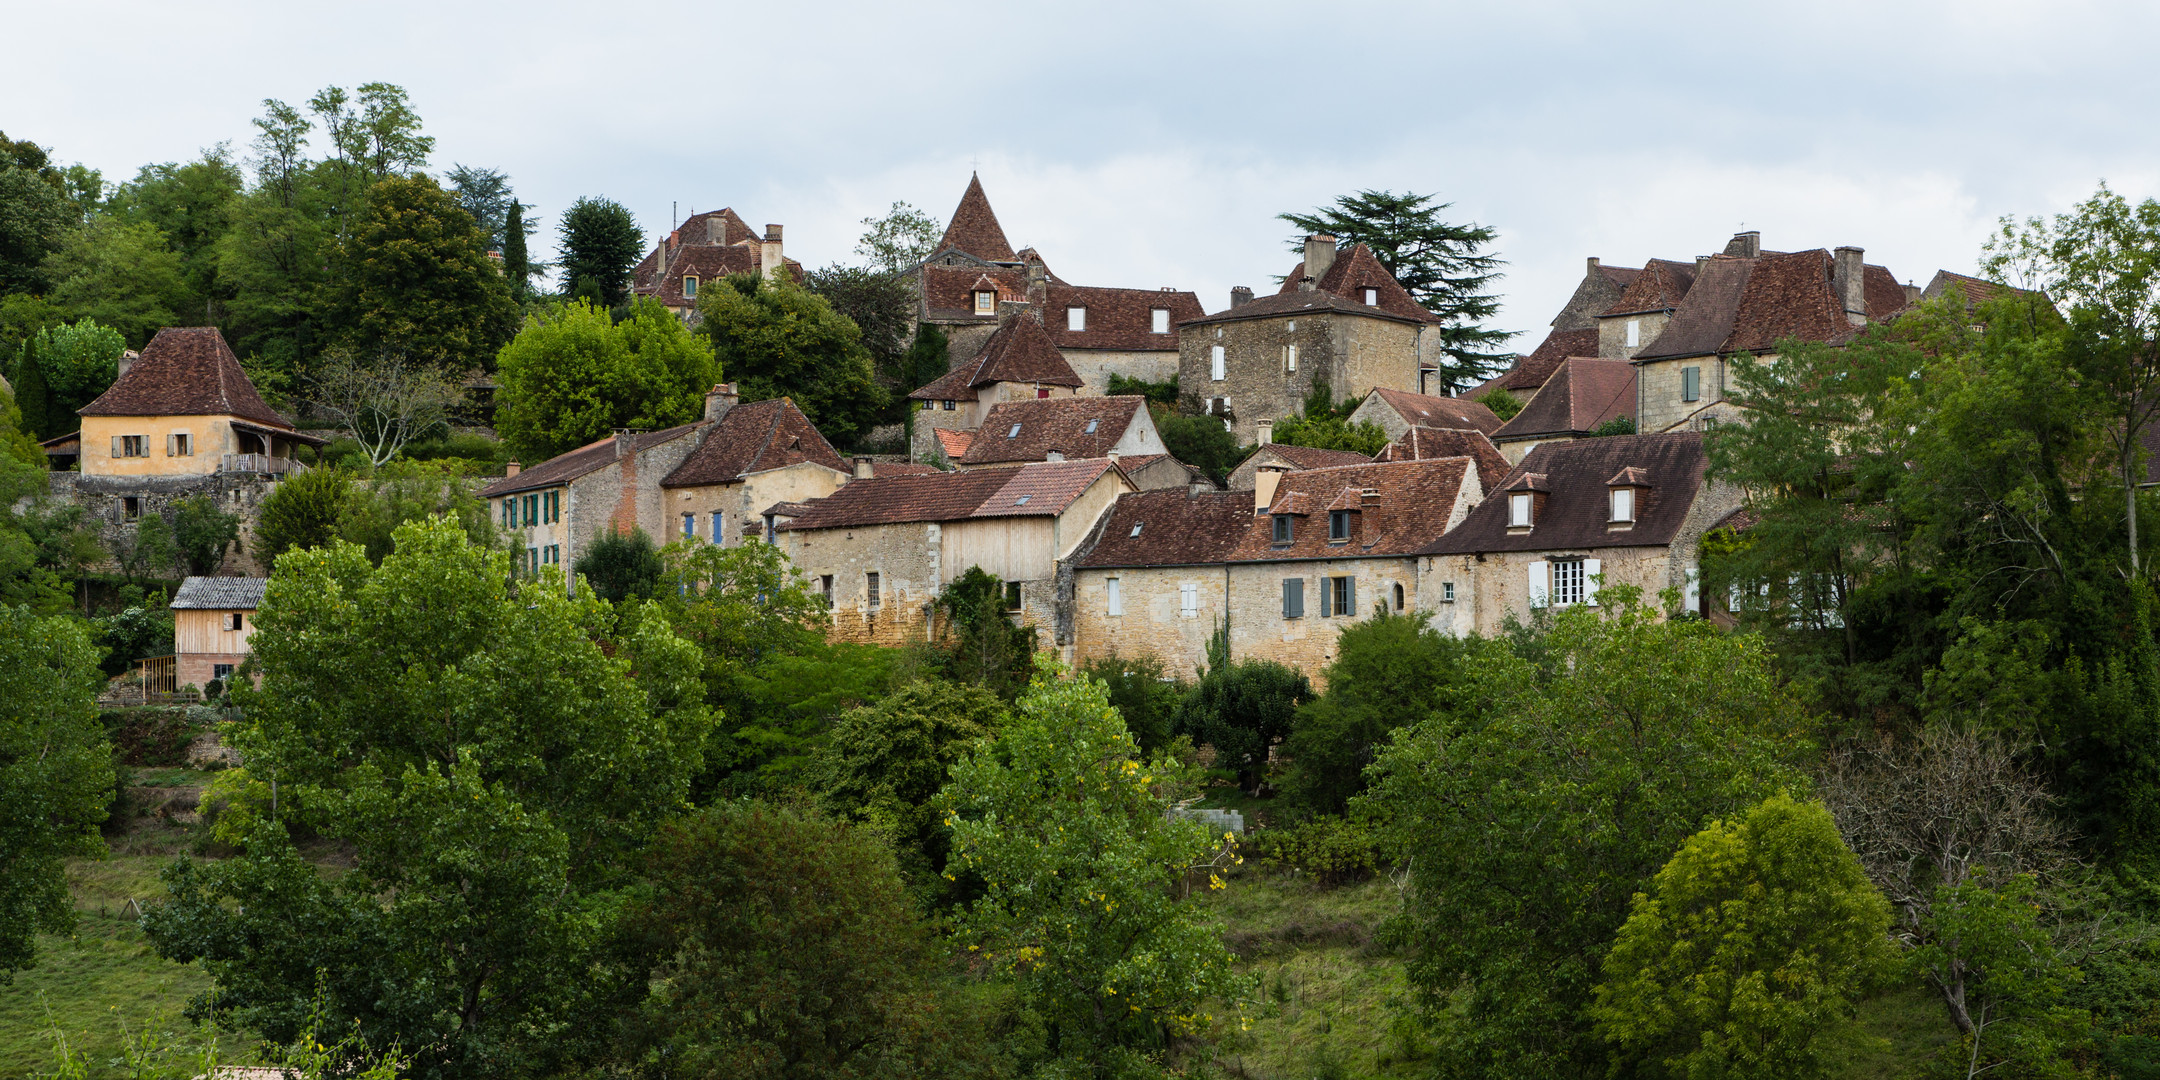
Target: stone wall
x=1612 y=334
x=1095 y=366
x=1658 y=385
x=1352 y=353
x=105 y=499
x=907 y=559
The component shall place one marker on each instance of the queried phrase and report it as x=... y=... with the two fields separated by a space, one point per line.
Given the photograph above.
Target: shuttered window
x=1540 y=585
x=1215 y=358
x=1189 y=600
x=1293 y=598
x=1343 y=591
x=719 y=530
x=1115 y=594
x=1690 y=383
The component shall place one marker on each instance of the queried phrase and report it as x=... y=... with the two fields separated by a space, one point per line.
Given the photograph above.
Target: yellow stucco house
x=185 y=409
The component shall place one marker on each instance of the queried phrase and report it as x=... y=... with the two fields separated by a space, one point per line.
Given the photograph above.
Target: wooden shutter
x=1694 y=590
x=1540 y=584
x=1293 y=598
x=1350 y=607
x=1327 y=597
x=172 y=445
x=116 y=446
x=1591 y=568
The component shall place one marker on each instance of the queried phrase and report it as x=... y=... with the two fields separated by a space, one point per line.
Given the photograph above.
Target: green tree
x=1389 y=672
x=777 y=339
x=1081 y=864
x=56 y=775
x=573 y=375
x=881 y=304
x=146 y=551
x=1446 y=267
x=987 y=648
x=929 y=356
x=192 y=206
x=486 y=195
x=883 y=764
x=1242 y=708
x=404 y=492
x=1993 y=943
x=73 y=364
x=203 y=533
x=304 y=512
x=1502 y=403
x=783 y=945
x=413 y=281
x=1750 y=948
x=621 y=566
x=1325 y=425
x=37 y=414
x=124 y=275
x=600 y=246
x=1203 y=442
x=1530 y=825
x=1144 y=693
x=35 y=219
x=903 y=238
x=517 y=265
x=494 y=756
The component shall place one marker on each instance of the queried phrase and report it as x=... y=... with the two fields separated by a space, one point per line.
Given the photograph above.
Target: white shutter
x=116 y=446
x=1591 y=568
x=1216 y=357
x=1117 y=598
x=1694 y=590
x=1540 y=584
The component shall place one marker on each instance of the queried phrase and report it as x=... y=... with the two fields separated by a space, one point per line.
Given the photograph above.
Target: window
x=824 y=588
x=229 y=621
x=1014 y=433
x=1447 y=592
x=1284 y=524
x=948 y=405
x=719 y=530
x=1338 y=526
x=532 y=509
x=1567 y=581
x=928 y=405
x=1398 y=596
x=689 y=286
x=1289 y=358
x=1159 y=320
x=509 y=512
x=1188 y=600
x=1372 y=298
x=1012 y=596
x=1076 y=318
x=128 y=446
x=1022 y=500
x=1136 y=527
x=532 y=560
x=1338 y=596
x=985 y=303
x=554 y=554
x=131 y=507
x=221 y=671
x=179 y=444
x=1293 y=597
x=1518 y=510
x=554 y=505
x=1690 y=383
x=1623 y=504
x=1215 y=357
x=1115 y=595
x=689 y=526
x=1042 y=391
x=1634 y=332
x=1091 y=425
x=873 y=583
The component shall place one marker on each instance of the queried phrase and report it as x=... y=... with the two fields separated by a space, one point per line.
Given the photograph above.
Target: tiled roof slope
x=1976 y=290
x=1359 y=269
x=949 y=291
x=1047 y=424
x=1885 y=297
x=1788 y=296
x=1704 y=320
x=1313 y=457
x=1019 y=352
x=1530 y=372
x=1425 y=443
x=185 y=371
x=1297 y=303
x=1659 y=286
x=953 y=441
x=1435 y=411
x=230 y=593
x=753 y=438
x=902 y=468
x=1050 y=488
x=1415 y=502
x=974 y=228
x=1117 y=318
x=1177 y=527
x=1581 y=394
x=1576 y=512
x=709 y=264
x=563 y=468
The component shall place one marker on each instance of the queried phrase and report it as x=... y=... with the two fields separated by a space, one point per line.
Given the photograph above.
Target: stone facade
x=742 y=505
x=1352 y=353
x=1660 y=401
x=1097 y=365
x=114 y=505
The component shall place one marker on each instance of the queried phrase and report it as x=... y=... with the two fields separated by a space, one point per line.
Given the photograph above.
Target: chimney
x=1267 y=432
x=1319 y=255
x=1240 y=295
x=1038 y=283
x=1265 y=480
x=769 y=254
x=622 y=443
x=1593 y=267
x=127 y=360
x=719 y=400
x=1053 y=455
x=864 y=470
x=1700 y=262
x=1746 y=245
x=1112 y=455
x=716 y=229
x=1913 y=293
x=511 y=470
x=1848 y=274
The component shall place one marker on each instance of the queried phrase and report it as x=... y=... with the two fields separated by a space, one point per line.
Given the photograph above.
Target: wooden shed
x=212 y=620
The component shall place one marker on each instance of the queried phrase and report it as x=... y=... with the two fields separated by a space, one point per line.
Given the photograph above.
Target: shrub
x=621 y=566
x=1331 y=850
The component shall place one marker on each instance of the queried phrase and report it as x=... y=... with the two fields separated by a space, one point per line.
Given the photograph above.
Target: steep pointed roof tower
x=975 y=229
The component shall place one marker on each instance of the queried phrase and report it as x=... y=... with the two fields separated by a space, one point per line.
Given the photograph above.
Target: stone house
x=213 y=617
x=1284 y=457
x=1017 y=362
x=1625 y=509
x=748 y=457
x=1062 y=429
x=703 y=250
x=881 y=549
x=1580 y=396
x=554 y=510
x=1343 y=321
x=1397 y=411
x=1286 y=566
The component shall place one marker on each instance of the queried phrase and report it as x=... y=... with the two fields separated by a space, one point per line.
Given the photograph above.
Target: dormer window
x=1284 y=524
x=1624 y=494
x=1076 y=318
x=985 y=302
x=1623 y=504
x=1159 y=320
x=1518 y=510
x=689 y=286
x=1338 y=526
x=1372 y=298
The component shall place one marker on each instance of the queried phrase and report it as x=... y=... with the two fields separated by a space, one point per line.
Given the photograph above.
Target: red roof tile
x=1530 y=372
x=1311 y=457
x=591 y=457
x=1659 y=286
x=1029 y=430
x=752 y=438
x=1788 y=296
x=1353 y=272
x=1412 y=504
x=953 y=441
x=1434 y=411
x=974 y=228
x=1581 y=395
x=1121 y=319
x=1577 y=510
x=901 y=468
x=185 y=371
x=1048 y=488
x=1019 y=352
x=1423 y=443
x=949 y=291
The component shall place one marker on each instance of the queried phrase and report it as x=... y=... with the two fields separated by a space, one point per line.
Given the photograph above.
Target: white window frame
x=1372 y=297
x=1634 y=333
x=1217 y=364
x=985 y=302
x=1623 y=505
x=1189 y=600
x=1076 y=318
x=1159 y=320
x=1114 y=594
x=1290 y=357
x=1518 y=510
x=1447 y=592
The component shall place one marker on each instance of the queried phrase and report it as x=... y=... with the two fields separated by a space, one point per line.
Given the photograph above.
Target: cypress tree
x=31 y=394
x=515 y=262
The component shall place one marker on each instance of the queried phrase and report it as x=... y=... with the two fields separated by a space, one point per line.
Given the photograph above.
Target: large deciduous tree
x=303 y=512
x=778 y=339
x=62 y=369
x=902 y=238
x=385 y=400
x=56 y=774
x=412 y=281
x=574 y=374
x=124 y=275
x=1389 y=672
x=1242 y=708
x=600 y=245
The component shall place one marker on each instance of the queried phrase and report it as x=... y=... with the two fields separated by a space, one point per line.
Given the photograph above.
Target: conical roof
x=975 y=229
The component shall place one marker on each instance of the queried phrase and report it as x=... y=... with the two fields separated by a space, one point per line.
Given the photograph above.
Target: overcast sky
x=1151 y=144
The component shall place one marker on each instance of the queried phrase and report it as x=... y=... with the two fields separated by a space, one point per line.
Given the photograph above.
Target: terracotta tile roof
x=1019 y=352
x=1412 y=504
x=1044 y=488
x=1530 y=372
x=1885 y=297
x=974 y=228
x=1576 y=512
x=1121 y=319
x=1298 y=302
x=901 y=468
x=1976 y=290
x=949 y=291
x=1622 y=276
x=1703 y=323
x=591 y=457
x=1353 y=272
x=1659 y=286
x=1581 y=395
x=1309 y=457
x=754 y=438
x=953 y=441
x=1422 y=443
x=1029 y=430
x=1789 y=296
x=1434 y=411
x=709 y=264
x=230 y=593
x=186 y=371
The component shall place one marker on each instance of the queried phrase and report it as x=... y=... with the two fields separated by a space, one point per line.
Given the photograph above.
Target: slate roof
x=1353 y=272
x=1047 y=424
x=591 y=457
x=186 y=371
x=1435 y=411
x=1659 y=286
x=1530 y=372
x=1422 y=443
x=974 y=228
x=1019 y=352
x=1575 y=513
x=1121 y=319
x=1041 y=489
x=1580 y=395
x=228 y=593
x=1415 y=502
x=754 y=438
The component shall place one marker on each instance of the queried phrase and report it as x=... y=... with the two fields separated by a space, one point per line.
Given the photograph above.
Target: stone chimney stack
x=1319 y=255
x=622 y=443
x=1038 y=283
x=1267 y=432
x=1265 y=481
x=511 y=470
x=1593 y=267
x=716 y=229
x=1240 y=295
x=770 y=258
x=127 y=360
x=1848 y=274
x=1746 y=245
x=864 y=470
x=719 y=400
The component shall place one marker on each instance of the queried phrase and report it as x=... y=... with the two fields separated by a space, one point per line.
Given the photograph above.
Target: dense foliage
x=56 y=774
x=778 y=339
x=574 y=375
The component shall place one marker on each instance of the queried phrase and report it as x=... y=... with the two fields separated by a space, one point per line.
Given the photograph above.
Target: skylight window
x=1014 y=433
x=1136 y=527
x=1091 y=426
x=1022 y=500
